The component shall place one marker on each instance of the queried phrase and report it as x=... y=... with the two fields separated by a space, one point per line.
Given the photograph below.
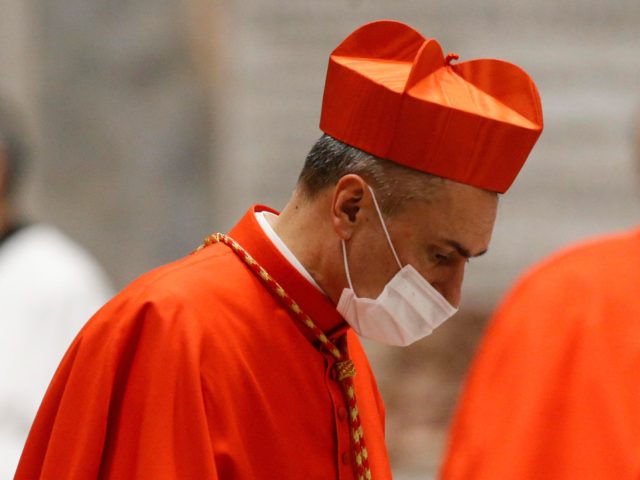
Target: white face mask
x=408 y=309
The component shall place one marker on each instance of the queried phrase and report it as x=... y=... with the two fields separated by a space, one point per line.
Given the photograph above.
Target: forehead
x=456 y=212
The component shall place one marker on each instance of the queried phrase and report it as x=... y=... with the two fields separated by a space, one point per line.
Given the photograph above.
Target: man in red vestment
x=553 y=392
x=242 y=360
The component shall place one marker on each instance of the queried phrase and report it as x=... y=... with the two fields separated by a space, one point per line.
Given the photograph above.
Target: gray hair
x=394 y=185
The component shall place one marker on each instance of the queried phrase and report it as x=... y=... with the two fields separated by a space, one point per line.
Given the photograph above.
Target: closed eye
x=443 y=258
x=446 y=258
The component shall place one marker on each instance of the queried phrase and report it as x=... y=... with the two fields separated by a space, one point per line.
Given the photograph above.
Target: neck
x=309 y=236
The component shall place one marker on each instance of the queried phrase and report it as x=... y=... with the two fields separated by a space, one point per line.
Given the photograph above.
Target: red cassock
x=195 y=371
x=554 y=392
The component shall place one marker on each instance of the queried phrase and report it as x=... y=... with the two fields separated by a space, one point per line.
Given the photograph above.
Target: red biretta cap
x=392 y=93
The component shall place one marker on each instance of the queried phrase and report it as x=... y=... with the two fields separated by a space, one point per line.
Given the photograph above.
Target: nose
x=450 y=284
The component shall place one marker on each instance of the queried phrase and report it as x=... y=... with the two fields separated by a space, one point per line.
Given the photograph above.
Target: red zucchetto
x=392 y=93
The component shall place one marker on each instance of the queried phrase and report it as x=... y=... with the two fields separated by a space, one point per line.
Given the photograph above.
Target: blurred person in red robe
x=49 y=286
x=242 y=360
x=553 y=391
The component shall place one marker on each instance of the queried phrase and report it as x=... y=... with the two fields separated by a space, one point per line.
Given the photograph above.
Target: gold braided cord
x=344 y=367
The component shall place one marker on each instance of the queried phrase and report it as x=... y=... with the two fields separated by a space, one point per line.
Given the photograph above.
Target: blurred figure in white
x=49 y=287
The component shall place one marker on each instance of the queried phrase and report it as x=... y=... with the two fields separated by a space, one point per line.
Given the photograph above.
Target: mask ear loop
x=346 y=265
x=384 y=227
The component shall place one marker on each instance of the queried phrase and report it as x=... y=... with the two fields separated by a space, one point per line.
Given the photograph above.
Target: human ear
x=346 y=203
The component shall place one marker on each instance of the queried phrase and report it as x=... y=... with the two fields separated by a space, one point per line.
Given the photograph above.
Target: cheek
x=425 y=266
x=371 y=263
x=368 y=248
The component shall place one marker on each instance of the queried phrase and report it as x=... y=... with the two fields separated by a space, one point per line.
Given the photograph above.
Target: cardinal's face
x=437 y=237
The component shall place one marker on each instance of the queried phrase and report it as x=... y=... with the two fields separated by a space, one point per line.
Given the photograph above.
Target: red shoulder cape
x=195 y=371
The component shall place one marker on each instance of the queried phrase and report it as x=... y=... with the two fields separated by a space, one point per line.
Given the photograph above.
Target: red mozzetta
x=196 y=371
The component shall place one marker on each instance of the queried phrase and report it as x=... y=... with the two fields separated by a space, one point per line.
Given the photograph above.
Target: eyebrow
x=463 y=251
